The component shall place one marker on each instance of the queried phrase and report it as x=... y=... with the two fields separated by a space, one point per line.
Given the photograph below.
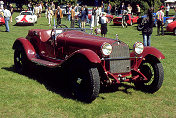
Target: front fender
x=149 y=51
x=89 y=54
x=26 y=45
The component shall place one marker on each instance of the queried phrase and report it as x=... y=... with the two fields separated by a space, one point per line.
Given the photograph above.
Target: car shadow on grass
x=55 y=80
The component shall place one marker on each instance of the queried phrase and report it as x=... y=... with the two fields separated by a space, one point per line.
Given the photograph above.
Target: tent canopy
x=172 y=1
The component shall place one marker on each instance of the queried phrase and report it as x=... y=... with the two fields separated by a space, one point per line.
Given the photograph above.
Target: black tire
x=153 y=70
x=174 y=32
x=85 y=81
x=20 y=61
x=131 y=23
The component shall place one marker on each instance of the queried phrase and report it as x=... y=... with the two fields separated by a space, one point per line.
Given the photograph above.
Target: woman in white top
x=49 y=14
x=104 y=22
x=129 y=9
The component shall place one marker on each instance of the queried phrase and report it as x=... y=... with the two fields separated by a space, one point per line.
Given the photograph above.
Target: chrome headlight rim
x=138 y=48
x=106 y=49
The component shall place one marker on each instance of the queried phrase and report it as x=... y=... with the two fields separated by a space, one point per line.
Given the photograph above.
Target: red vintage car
x=2 y=21
x=90 y=61
x=171 y=27
x=132 y=19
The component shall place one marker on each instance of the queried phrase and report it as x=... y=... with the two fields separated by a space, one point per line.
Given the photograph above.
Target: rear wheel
x=20 y=60
x=85 y=81
x=153 y=71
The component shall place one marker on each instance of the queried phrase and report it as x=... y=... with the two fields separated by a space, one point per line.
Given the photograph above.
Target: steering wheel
x=61 y=26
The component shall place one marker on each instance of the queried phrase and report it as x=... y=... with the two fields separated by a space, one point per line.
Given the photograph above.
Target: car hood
x=80 y=38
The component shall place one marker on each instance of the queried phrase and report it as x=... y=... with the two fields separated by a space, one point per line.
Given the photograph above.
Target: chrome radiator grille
x=120 y=66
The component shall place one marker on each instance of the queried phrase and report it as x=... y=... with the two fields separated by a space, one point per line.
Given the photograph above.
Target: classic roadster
x=26 y=17
x=90 y=61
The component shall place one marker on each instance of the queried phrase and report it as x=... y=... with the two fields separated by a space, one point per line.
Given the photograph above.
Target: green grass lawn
x=28 y=96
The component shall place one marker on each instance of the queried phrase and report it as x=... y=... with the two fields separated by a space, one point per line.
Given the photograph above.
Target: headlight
x=30 y=18
x=138 y=47
x=106 y=49
x=17 y=19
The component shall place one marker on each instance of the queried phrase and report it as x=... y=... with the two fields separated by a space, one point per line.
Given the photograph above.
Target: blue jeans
x=69 y=17
x=7 y=24
x=87 y=19
x=146 y=39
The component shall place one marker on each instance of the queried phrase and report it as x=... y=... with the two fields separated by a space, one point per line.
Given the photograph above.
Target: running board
x=45 y=63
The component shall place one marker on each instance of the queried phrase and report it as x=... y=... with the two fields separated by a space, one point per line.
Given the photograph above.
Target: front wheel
x=85 y=81
x=131 y=23
x=153 y=71
x=175 y=31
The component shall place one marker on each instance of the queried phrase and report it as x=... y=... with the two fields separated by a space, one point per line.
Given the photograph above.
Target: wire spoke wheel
x=20 y=61
x=154 y=73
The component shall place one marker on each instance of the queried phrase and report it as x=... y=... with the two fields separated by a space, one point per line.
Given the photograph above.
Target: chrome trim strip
x=121 y=58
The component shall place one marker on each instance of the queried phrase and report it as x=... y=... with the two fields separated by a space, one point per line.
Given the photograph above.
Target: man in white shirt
x=160 y=23
x=7 y=15
x=167 y=10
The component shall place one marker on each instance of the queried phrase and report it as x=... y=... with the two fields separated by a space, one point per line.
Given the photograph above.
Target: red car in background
x=171 y=27
x=2 y=21
x=132 y=19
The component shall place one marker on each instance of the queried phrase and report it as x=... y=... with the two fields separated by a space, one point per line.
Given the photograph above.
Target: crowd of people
x=98 y=16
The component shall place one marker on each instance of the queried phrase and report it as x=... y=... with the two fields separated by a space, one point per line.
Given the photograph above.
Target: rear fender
x=148 y=53
x=26 y=45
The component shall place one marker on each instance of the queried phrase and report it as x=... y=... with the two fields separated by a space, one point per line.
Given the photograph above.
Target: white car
x=26 y=17
x=171 y=19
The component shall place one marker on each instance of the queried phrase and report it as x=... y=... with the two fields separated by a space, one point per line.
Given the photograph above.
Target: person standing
x=124 y=18
x=11 y=11
x=7 y=16
x=138 y=10
x=86 y=10
x=109 y=8
x=92 y=17
x=46 y=9
x=116 y=10
x=159 y=17
x=58 y=15
x=167 y=10
x=30 y=6
x=83 y=17
x=97 y=16
x=102 y=6
x=129 y=9
x=69 y=12
x=104 y=22
x=73 y=17
x=147 y=29
x=49 y=14
x=122 y=7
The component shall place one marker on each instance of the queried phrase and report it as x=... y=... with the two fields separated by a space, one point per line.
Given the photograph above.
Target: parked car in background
x=26 y=17
x=89 y=61
x=2 y=21
x=171 y=27
x=169 y=20
x=132 y=19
